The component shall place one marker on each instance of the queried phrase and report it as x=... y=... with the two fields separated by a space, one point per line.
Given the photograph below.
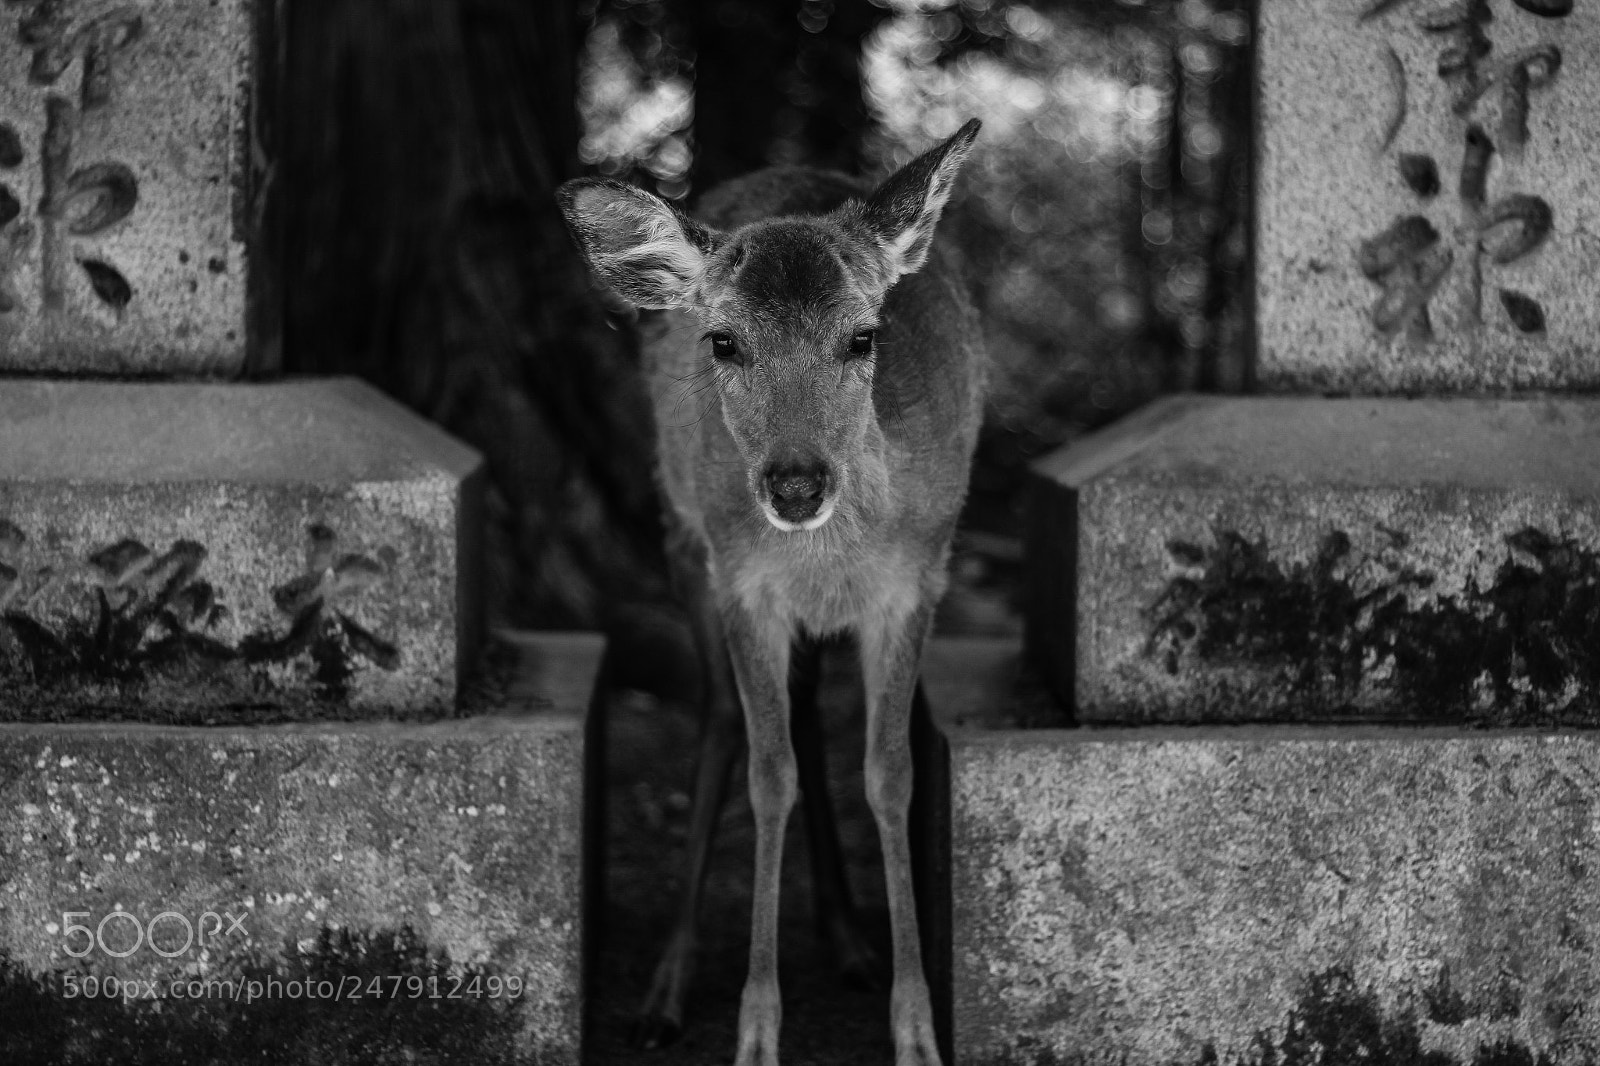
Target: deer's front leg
x=891 y=653
x=759 y=647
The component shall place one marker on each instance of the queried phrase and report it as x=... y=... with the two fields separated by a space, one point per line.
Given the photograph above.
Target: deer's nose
x=796 y=484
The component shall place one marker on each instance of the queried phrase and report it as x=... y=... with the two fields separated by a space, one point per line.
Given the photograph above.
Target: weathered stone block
x=1307 y=559
x=422 y=883
x=1266 y=894
x=174 y=551
x=1428 y=212
x=137 y=223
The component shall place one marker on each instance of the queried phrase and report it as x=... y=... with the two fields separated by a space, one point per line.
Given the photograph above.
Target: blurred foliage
x=1103 y=217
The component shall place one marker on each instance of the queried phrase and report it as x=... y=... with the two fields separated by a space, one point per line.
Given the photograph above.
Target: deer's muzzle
x=796 y=487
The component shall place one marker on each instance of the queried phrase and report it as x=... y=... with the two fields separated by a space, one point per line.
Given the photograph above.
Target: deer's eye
x=861 y=343
x=723 y=348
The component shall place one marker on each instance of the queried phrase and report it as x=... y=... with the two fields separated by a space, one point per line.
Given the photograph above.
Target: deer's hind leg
x=660 y=1020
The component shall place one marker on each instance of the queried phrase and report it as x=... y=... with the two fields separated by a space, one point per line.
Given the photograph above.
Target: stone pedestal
x=1256 y=894
x=1221 y=559
x=1327 y=884
x=247 y=800
x=176 y=550
x=331 y=888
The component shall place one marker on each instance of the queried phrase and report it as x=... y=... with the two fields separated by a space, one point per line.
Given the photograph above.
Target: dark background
x=1102 y=215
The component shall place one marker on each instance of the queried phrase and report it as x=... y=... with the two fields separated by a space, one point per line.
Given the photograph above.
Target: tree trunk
x=430 y=259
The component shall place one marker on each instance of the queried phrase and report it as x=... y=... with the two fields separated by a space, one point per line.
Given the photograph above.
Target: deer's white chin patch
x=816 y=521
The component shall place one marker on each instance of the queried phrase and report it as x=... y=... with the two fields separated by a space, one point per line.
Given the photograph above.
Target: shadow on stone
x=1525 y=650
x=131 y=622
x=1334 y=1023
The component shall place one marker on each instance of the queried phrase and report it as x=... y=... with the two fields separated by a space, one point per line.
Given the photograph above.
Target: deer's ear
x=903 y=211
x=651 y=254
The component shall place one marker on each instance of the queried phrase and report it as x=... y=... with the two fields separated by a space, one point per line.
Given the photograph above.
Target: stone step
x=1238 y=559
x=139 y=207
x=1171 y=896
x=1425 y=214
x=329 y=891
x=182 y=552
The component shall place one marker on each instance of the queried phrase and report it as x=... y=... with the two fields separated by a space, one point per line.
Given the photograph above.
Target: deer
x=817 y=496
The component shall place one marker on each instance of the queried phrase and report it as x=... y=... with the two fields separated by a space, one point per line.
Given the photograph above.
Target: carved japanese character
x=57 y=36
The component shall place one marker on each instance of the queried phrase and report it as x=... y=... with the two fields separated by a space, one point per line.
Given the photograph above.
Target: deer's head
x=790 y=307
